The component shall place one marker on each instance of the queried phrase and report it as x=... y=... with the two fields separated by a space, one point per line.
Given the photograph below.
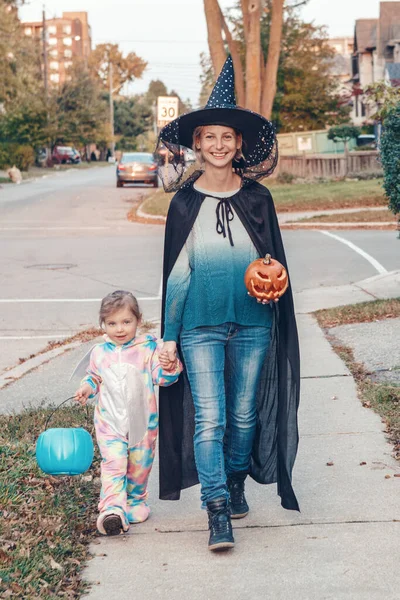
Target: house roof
x=365 y=34
x=393 y=71
x=389 y=25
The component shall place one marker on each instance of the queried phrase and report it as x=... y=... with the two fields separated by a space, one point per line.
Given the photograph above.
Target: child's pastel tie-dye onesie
x=126 y=422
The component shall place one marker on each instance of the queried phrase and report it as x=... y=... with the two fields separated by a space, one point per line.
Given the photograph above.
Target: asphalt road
x=65 y=243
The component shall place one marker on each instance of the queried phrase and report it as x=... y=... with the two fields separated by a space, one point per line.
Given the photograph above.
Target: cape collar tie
x=225 y=215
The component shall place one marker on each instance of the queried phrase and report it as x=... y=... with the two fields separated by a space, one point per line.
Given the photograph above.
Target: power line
x=107 y=41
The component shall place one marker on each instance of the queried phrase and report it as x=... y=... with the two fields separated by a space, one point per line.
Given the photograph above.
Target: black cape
x=275 y=446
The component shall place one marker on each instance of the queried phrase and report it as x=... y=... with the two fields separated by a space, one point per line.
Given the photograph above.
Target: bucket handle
x=59 y=406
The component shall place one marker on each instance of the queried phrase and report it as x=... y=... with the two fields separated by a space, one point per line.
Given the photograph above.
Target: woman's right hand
x=82 y=394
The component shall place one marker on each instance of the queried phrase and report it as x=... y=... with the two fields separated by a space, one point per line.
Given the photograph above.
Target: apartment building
x=67 y=37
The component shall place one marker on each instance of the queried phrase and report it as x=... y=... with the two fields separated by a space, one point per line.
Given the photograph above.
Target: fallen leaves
x=48 y=522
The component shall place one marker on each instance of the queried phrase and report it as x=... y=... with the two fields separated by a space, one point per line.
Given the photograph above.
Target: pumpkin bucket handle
x=59 y=406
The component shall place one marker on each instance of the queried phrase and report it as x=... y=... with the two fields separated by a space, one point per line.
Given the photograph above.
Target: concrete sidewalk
x=342 y=546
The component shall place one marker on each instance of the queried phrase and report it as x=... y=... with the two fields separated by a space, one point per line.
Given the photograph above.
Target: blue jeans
x=223 y=364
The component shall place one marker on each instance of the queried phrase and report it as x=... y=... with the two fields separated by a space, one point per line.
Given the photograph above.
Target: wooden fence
x=309 y=166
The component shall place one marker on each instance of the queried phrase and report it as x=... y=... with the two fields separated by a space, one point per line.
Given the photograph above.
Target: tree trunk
x=253 y=57
x=237 y=63
x=245 y=10
x=214 y=30
x=271 y=68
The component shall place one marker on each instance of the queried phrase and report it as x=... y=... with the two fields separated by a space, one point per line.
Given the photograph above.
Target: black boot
x=219 y=524
x=237 y=500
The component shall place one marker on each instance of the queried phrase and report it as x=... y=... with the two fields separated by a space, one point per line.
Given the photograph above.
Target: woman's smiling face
x=218 y=144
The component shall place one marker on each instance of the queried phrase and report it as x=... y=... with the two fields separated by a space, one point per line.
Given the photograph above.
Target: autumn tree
x=82 y=109
x=132 y=118
x=306 y=96
x=258 y=86
x=125 y=69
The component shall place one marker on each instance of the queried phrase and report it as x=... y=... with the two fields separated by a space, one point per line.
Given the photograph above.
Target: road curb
x=33 y=363
x=142 y=217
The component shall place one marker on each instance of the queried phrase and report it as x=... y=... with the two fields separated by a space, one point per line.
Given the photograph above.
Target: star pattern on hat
x=223 y=94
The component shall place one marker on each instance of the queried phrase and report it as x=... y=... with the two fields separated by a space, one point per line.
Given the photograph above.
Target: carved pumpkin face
x=266 y=279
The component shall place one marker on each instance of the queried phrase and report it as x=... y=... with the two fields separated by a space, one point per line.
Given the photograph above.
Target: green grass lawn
x=298 y=197
x=362 y=216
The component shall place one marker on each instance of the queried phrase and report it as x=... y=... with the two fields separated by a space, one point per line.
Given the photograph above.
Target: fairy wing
x=82 y=366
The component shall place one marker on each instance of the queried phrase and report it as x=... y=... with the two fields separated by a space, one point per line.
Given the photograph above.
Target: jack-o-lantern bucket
x=266 y=279
x=64 y=450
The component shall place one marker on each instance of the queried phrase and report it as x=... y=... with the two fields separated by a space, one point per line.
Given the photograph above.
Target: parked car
x=137 y=167
x=65 y=154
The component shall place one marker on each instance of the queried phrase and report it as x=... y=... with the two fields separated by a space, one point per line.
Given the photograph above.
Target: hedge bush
x=16 y=154
x=390 y=157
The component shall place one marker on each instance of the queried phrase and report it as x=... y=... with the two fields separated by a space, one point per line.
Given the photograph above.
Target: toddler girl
x=122 y=372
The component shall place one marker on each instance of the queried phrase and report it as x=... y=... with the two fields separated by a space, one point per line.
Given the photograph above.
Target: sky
x=170 y=35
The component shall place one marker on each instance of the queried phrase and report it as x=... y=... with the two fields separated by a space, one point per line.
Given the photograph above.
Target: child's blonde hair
x=117 y=300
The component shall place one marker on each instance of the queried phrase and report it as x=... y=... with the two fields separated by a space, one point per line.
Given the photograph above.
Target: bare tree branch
x=245 y=11
x=237 y=63
x=253 y=57
x=271 y=68
x=214 y=30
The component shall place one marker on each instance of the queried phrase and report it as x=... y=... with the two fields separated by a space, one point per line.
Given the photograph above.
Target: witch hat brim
x=259 y=140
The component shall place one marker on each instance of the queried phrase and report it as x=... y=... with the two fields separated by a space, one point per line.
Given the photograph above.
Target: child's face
x=121 y=326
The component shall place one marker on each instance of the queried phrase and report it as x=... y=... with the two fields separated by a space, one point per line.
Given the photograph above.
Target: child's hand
x=171 y=367
x=167 y=364
x=83 y=394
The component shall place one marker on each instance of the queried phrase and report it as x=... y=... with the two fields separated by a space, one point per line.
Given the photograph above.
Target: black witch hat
x=260 y=152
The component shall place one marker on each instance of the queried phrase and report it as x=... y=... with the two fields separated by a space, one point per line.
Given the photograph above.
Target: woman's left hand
x=271 y=302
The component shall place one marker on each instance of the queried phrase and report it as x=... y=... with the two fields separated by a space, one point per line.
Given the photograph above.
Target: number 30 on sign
x=167 y=109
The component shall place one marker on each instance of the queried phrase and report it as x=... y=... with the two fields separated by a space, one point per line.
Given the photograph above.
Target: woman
x=234 y=412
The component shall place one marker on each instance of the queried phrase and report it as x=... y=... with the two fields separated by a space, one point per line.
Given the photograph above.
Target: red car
x=65 y=154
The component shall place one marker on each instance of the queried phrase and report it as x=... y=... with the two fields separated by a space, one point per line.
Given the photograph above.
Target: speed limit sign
x=167 y=109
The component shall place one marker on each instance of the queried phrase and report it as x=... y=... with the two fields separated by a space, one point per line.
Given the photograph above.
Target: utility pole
x=110 y=75
x=45 y=76
x=45 y=69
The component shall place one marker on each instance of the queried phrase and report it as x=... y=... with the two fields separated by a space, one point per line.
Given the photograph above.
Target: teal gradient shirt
x=206 y=285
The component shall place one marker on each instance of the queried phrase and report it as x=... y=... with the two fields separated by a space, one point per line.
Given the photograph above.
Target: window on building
x=363 y=110
x=52 y=29
x=54 y=64
x=53 y=52
x=53 y=41
x=28 y=30
x=55 y=77
x=68 y=53
x=68 y=64
x=67 y=29
x=67 y=41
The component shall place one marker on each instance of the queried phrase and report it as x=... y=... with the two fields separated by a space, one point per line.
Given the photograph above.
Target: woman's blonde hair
x=196 y=136
x=117 y=300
